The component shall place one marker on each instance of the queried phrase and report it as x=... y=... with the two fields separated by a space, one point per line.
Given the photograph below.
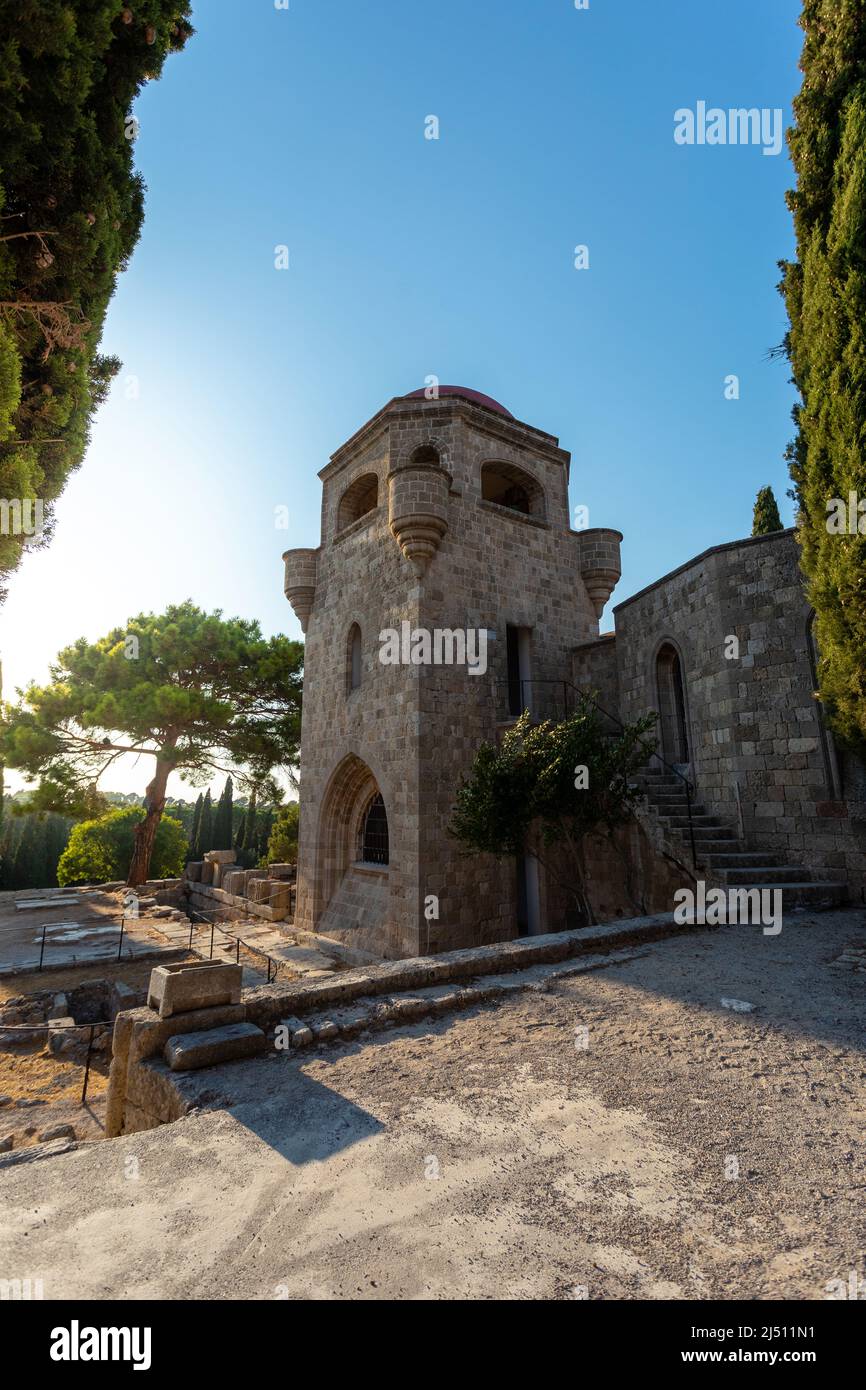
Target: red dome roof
x=468 y=393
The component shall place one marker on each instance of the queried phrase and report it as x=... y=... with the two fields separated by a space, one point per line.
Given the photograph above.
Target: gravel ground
x=686 y=1151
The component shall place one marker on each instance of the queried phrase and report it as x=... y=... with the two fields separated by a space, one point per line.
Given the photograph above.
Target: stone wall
x=760 y=754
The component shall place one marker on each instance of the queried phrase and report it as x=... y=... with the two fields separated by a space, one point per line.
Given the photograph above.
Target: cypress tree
x=239 y=834
x=195 y=832
x=250 y=830
x=71 y=209
x=222 y=825
x=765 y=518
x=29 y=866
x=825 y=293
x=264 y=832
x=206 y=831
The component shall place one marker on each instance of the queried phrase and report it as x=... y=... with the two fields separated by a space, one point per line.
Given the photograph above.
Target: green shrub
x=101 y=850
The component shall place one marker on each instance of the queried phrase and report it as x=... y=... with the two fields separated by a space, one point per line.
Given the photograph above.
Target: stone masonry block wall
x=760 y=754
x=594 y=668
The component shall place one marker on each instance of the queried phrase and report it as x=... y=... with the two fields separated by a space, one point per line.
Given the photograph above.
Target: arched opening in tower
x=511 y=487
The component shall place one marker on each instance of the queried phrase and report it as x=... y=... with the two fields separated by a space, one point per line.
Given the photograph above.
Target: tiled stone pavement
x=300 y=960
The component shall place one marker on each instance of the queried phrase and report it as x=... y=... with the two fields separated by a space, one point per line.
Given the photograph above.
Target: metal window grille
x=374 y=835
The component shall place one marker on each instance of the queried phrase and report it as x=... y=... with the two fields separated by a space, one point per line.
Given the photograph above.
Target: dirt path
x=494 y=1155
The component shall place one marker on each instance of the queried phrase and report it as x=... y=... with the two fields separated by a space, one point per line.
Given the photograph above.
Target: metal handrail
x=238 y=940
x=567 y=686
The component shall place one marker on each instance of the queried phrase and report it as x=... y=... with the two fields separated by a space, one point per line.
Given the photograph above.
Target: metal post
x=120 y=942
x=87 y=1065
x=238 y=952
x=42 y=948
x=191 y=925
x=211 y=940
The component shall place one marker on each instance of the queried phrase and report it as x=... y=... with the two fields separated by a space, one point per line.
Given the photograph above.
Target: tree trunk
x=145 y=831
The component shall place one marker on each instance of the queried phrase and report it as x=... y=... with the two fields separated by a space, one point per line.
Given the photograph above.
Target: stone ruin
x=218 y=882
x=193 y=1018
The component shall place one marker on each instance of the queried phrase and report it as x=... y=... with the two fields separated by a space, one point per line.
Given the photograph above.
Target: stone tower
x=449 y=515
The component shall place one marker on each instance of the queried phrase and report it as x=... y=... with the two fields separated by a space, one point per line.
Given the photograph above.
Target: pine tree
x=239 y=834
x=765 y=518
x=234 y=698
x=825 y=293
x=195 y=832
x=206 y=834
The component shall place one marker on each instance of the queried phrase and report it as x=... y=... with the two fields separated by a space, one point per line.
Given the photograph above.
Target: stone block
x=259 y=890
x=233 y=881
x=62 y=1035
x=176 y=989
x=300 y=1033
x=281 y=871
x=220 y=856
x=189 y=1051
x=206 y=875
x=193 y=871
x=57 y=1132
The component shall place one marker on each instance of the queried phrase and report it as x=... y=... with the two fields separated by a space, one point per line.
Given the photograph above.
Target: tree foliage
x=283 y=840
x=765 y=518
x=30 y=847
x=100 y=851
x=825 y=293
x=222 y=825
x=547 y=786
x=71 y=209
x=197 y=692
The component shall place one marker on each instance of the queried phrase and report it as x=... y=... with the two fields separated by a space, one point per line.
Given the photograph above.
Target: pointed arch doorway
x=673 y=724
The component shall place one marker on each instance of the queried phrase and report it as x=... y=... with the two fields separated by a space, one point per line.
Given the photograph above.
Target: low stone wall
x=267 y=1004
x=143 y=1092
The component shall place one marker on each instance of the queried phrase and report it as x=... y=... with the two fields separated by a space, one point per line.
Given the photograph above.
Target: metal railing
x=99 y=923
x=557 y=699
x=273 y=961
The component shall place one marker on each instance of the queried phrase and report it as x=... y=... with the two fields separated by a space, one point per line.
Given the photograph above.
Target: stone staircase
x=724 y=860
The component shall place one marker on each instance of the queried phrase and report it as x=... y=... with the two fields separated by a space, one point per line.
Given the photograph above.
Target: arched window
x=672 y=705
x=361 y=497
x=374 y=833
x=511 y=487
x=353 y=659
x=425 y=454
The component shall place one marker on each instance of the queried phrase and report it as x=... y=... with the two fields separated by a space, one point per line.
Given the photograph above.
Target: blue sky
x=412 y=257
